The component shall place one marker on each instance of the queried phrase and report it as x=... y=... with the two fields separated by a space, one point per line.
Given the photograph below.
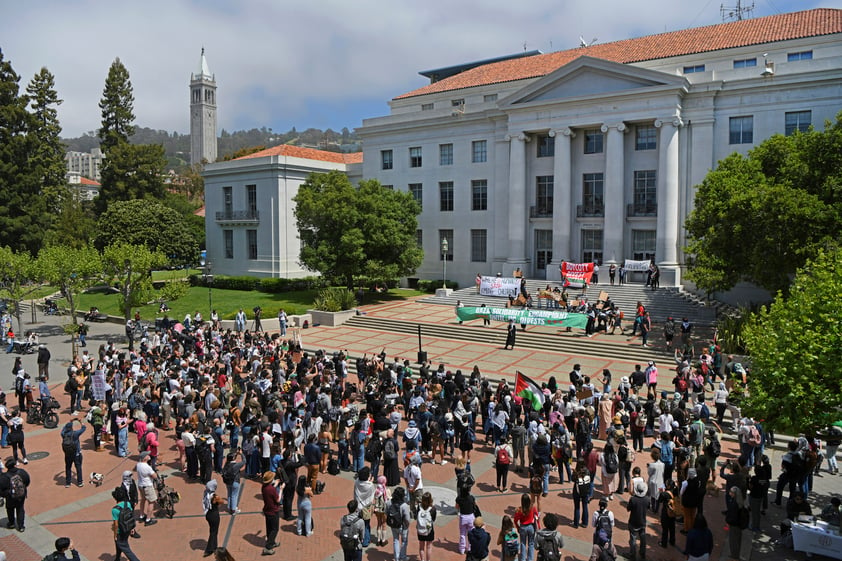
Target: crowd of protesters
x=254 y=405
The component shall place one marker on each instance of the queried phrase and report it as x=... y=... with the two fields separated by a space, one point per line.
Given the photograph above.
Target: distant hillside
x=177 y=146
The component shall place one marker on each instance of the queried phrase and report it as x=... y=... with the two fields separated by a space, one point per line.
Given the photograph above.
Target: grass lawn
x=228 y=302
x=175 y=274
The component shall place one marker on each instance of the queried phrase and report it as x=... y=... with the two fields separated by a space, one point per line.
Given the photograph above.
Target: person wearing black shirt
x=479 y=540
x=637 y=522
x=699 y=541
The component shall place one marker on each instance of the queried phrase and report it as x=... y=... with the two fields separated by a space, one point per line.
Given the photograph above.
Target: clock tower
x=202 y=114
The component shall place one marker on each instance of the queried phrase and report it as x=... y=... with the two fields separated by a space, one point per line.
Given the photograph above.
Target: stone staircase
x=540 y=339
x=660 y=303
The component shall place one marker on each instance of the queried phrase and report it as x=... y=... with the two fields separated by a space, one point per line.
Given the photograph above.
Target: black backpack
x=229 y=473
x=373 y=449
x=714 y=448
x=333 y=466
x=394 y=519
x=611 y=463
x=348 y=537
x=604 y=523
x=68 y=444
x=125 y=521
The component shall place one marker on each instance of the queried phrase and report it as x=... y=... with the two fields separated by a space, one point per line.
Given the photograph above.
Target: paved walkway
x=84 y=513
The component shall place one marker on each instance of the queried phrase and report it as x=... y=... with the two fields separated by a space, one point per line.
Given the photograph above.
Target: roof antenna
x=583 y=43
x=735 y=13
x=524 y=46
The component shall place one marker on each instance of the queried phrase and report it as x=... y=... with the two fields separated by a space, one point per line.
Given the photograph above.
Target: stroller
x=167 y=496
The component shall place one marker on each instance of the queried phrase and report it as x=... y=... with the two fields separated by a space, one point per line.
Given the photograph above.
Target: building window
x=386 y=159
x=251 y=243
x=479 y=151
x=543 y=196
x=645 y=198
x=797 y=121
x=227 y=200
x=693 y=69
x=802 y=55
x=593 y=203
x=645 y=137
x=388 y=186
x=457 y=102
x=415 y=157
x=546 y=146
x=741 y=130
x=745 y=63
x=419 y=238
x=643 y=244
x=445 y=154
x=479 y=245
x=228 y=239
x=446 y=196
x=251 y=199
x=417 y=191
x=488 y=98
x=479 y=194
x=446 y=235
x=593 y=141
x=426 y=107
x=543 y=248
x=591 y=246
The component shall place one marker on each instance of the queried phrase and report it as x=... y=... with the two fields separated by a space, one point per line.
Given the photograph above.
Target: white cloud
x=294 y=62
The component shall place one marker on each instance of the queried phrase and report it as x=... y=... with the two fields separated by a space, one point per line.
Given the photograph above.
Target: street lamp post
x=444 y=248
x=207 y=274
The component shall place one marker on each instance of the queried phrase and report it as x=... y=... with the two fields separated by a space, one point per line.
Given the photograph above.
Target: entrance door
x=543 y=252
x=591 y=246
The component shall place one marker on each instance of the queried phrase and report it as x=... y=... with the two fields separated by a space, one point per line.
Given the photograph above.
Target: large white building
x=85 y=164
x=249 y=223
x=592 y=154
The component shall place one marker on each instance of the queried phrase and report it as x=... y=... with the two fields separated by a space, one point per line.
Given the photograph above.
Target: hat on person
x=73 y=369
x=651 y=363
x=640 y=489
x=676 y=396
x=448 y=416
x=268 y=477
x=478 y=522
x=144 y=455
x=624 y=379
x=412 y=423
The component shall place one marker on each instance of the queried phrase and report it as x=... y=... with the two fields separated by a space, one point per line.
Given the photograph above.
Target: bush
x=371 y=282
x=729 y=330
x=268 y=285
x=334 y=300
x=173 y=290
x=430 y=286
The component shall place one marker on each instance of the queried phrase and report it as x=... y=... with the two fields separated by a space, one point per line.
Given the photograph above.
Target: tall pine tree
x=22 y=214
x=117 y=105
x=47 y=149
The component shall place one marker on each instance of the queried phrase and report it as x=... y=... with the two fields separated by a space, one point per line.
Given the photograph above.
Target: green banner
x=528 y=317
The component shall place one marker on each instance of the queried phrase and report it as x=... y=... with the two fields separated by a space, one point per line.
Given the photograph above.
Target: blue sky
x=316 y=63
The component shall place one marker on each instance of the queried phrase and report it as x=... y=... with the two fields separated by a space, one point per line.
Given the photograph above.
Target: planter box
x=331 y=319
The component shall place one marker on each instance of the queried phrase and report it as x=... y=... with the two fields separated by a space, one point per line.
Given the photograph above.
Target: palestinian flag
x=527 y=389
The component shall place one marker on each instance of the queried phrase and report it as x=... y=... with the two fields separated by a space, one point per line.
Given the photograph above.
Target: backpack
x=612 y=465
x=68 y=444
x=465 y=481
x=547 y=548
x=753 y=436
x=604 y=523
x=394 y=519
x=469 y=435
x=348 y=538
x=641 y=420
x=125 y=521
x=433 y=428
x=144 y=443
x=389 y=451
x=425 y=522
x=670 y=504
x=202 y=447
x=511 y=543
x=229 y=473
x=695 y=433
x=714 y=448
x=605 y=554
x=503 y=458
x=536 y=484
x=373 y=449
x=333 y=466
x=17 y=488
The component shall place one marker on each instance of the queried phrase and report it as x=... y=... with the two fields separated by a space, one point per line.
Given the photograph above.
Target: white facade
x=249 y=220
x=202 y=114
x=595 y=160
x=85 y=164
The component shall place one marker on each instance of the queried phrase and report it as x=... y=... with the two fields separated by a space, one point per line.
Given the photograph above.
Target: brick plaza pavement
x=84 y=513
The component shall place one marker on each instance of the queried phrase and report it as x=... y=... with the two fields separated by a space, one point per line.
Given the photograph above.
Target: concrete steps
x=575 y=343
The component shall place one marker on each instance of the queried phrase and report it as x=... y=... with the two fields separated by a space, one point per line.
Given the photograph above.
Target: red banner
x=573 y=272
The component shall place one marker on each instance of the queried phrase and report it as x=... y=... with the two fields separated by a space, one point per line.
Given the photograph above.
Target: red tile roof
x=810 y=23
x=307 y=154
x=86 y=181
x=200 y=211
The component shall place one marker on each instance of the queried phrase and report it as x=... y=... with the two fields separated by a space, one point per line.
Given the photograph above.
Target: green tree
x=131 y=267
x=117 y=105
x=151 y=224
x=22 y=216
x=69 y=269
x=73 y=224
x=796 y=349
x=761 y=217
x=15 y=270
x=347 y=231
x=132 y=171
x=48 y=150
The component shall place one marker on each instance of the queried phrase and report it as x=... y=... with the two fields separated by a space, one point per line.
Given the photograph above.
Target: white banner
x=499 y=286
x=632 y=265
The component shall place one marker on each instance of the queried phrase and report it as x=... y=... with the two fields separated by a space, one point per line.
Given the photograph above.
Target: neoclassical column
x=562 y=201
x=517 y=200
x=666 y=249
x=615 y=200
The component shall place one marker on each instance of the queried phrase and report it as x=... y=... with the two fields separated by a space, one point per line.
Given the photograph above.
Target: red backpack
x=503 y=456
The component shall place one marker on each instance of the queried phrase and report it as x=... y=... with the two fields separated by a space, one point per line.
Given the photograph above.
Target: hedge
x=430 y=286
x=268 y=285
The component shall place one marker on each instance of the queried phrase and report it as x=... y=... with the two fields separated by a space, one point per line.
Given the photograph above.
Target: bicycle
x=167 y=496
x=49 y=418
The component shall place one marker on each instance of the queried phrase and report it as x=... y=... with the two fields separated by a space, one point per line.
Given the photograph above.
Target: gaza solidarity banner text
x=527 y=317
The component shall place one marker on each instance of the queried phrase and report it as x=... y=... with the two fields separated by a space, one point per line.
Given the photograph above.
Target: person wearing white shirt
x=146 y=477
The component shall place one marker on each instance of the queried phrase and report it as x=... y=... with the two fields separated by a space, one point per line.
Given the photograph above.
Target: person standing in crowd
x=398 y=510
x=466 y=504
x=63 y=547
x=16 y=437
x=737 y=518
x=426 y=531
x=581 y=494
x=43 y=361
x=511 y=334
x=282 y=322
x=526 y=522
x=258 y=326
x=72 y=448
x=121 y=534
x=699 y=541
x=479 y=539
x=240 y=321
x=232 y=476
x=351 y=533
x=270 y=491
x=637 y=507
x=146 y=478
x=14 y=487
x=502 y=461
x=210 y=506
x=304 y=523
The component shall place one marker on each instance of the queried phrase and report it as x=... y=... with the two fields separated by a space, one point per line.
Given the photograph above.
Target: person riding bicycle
x=44 y=395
